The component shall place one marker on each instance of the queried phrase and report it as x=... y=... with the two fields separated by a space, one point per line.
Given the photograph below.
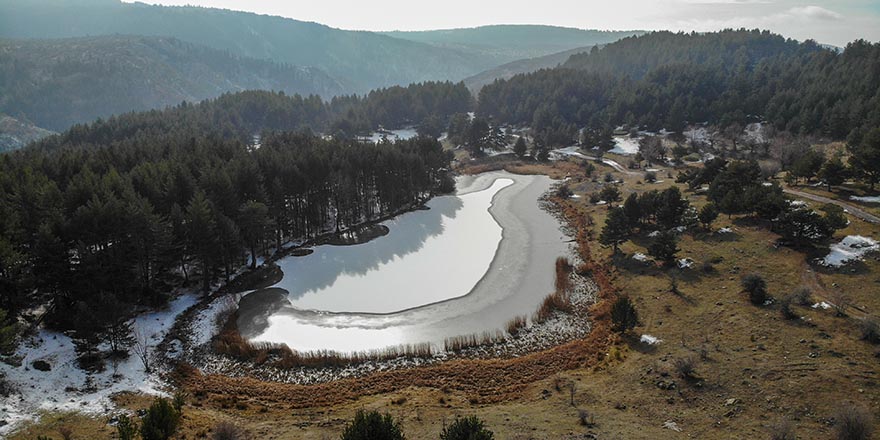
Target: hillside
x=57 y=83
x=360 y=60
x=528 y=65
x=508 y=43
x=15 y=134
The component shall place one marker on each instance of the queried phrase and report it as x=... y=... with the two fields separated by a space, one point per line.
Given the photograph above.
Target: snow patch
x=851 y=248
x=66 y=387
x=638 y=256
x=650 y=340
x=625 y=146
x=866 y=199
x=724 y=231
x=685 y=263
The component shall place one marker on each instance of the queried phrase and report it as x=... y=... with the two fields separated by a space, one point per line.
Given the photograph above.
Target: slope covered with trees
x=57 y=83
x=361 y=61
x=664 y=80
x=507 y=43
x=104 y=217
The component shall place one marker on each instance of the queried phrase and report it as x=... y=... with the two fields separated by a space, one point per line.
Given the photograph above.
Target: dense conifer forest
x=666 y=80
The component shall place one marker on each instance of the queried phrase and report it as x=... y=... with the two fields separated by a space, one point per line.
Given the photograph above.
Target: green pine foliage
x=466 y=428
x=371 y=425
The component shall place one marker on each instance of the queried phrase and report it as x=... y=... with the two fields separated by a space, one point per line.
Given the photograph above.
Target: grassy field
x=752 y=367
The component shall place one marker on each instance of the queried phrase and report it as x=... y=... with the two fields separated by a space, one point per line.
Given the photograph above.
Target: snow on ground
x=625 y=145
x=654 y=234
x=851 y=248
x=822 y=305
x=724 y=231
x=755 y=132
x=393 y=135
x=867 y=199
x=65 y=387
x=698 y=134
x=638 y=256
x=650 y=340
x=562 y=153
x=685 y=263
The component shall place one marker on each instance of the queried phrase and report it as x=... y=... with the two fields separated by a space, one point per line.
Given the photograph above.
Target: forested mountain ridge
x=528 y=65
x=360 y=60
x=509 y=43
x=57 y=83
x=15 y=134
x=665 y=80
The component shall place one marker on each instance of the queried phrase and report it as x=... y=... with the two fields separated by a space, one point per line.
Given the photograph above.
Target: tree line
x=667 y=80
x=109 y=216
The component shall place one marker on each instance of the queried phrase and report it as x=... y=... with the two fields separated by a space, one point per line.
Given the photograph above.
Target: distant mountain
x=15 y=134
x=528 y=65
x=507 y=43
x=360 y=60
x=57 y=83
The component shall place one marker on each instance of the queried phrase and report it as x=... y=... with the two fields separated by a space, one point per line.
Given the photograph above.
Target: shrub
x=685 y=367
x=853 y=423
x=756 y=287
x=126 y=428
x=782 y=430
x=870 y=329
x=370 y=425
x=650 y=177
x=468 y=428
x=585 y=418
x=228 y=431
x=594 y=198
x=623 y=314
x=610 y=193
x=160 y=422
x=563 y=191
x=608 y=178
x=785 y=307
x=801 y=296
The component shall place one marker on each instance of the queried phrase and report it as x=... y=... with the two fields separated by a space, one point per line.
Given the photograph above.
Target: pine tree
x=520 y=148
x=617 y=229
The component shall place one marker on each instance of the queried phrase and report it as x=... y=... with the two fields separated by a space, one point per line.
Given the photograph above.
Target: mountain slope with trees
x=360 y=60
x=508 y=43
x=528 y=65
x=666 y=80
x=57 y=83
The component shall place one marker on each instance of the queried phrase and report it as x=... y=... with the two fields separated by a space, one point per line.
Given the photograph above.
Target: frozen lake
x=466 y=265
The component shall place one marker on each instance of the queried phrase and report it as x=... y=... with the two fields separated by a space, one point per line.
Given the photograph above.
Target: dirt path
x=868 y=217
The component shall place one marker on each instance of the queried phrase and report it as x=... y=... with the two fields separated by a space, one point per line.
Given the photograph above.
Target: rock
x=41 y=365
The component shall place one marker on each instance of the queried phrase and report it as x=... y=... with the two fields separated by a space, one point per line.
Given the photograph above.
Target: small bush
x=160 y=422
x=594 y=198
x=782 y=430
x=608 y=178
x=802 y=296
x=370 y=425
x=515 y=325
x=468 y=428
x=756 y=287
x=650 y=177
x=785 y=307
x=563 y=191
x=624 y=315
x=686 y=367
x=853 y=423
x=126 y=428
x=228 y=431
x=585 y=418
x=870 y=329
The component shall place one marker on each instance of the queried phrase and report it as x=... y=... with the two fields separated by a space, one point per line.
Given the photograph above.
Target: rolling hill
x=360 y=60
x=508 y=43
x=528 y=65
x=57 y=83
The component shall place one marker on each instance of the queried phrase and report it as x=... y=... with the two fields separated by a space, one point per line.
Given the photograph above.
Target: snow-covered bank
x=65 y=387
x=851 y=248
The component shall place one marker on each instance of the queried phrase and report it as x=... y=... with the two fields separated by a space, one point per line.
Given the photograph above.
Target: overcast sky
x=832 y=22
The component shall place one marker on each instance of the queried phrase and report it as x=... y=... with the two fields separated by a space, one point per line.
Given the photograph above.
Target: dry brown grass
x=516 y=324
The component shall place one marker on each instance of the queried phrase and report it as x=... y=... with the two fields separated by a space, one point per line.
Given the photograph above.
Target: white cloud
x=814 y=12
